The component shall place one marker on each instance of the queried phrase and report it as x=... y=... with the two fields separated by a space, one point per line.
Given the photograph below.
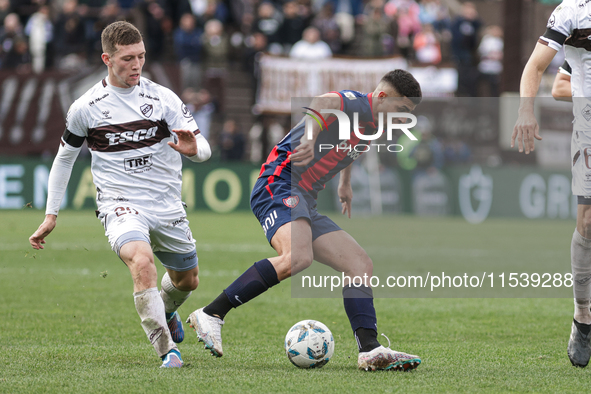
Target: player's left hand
x=345 y=196
x=187 y=145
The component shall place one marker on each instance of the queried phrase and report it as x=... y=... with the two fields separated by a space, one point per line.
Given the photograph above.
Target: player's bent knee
x=188 y=283
x=288 y=264
x=300 y=262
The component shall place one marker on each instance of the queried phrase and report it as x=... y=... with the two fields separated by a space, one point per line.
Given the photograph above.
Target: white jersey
x=127 y=131
x=570 y=25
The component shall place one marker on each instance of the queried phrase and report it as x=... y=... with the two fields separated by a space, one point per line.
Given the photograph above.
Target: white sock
x=150 y=307
x=173 y=298
x=581 y=267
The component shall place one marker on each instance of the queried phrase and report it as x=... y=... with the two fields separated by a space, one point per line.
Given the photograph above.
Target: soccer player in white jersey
x=136 y=131
x=568 y=26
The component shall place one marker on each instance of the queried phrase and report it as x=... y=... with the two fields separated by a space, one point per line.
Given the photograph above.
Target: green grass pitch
x=68 y=322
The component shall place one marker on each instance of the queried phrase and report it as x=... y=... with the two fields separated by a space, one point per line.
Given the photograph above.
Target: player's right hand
x=38 y=238
x=525 y=130
x=304 y=153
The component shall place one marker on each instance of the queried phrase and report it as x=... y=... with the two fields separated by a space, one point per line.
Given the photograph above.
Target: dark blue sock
x=253 y=282
x=362 y=316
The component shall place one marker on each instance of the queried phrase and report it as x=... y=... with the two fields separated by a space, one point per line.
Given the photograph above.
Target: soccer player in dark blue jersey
x=284 y=201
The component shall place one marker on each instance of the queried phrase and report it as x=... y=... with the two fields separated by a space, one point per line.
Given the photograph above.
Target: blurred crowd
x=206 y=36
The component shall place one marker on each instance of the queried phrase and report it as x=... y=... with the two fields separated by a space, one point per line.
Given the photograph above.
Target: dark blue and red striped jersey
x=327 y=161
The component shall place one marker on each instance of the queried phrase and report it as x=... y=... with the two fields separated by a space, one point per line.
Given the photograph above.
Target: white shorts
x=167 y=232
x=581 y=161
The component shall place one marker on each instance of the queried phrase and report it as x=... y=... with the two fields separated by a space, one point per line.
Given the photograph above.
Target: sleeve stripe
x=72 y=139
x=555 y=36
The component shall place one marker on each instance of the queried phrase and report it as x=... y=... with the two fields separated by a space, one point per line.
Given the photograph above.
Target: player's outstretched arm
x=345 y=191
x=38 y=238
x=59 y=176
x=304 y=153
x=195 y=147
x=526 y=128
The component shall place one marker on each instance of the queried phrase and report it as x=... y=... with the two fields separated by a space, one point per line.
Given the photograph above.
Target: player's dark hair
x=119 y=33
x=405 y=84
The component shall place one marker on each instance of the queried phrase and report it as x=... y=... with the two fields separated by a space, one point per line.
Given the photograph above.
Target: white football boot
x=209 y=331
x=386 y=358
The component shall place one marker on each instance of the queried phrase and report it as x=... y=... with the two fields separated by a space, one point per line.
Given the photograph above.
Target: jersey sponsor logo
x=147 y=110
x=138 y=164
x=134 y=136
x=186 y=112
x=269 y=221
x=291 y=201
x=106 y=114
x=127 y=136
x=96 y=100
x=144 y=95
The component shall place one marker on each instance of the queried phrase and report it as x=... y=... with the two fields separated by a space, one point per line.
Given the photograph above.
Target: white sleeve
x=176 y=113
x=59 y=176
x=560 y=25
x=203 y=150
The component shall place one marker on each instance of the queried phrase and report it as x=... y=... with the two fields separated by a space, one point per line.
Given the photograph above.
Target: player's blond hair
x=119 y=33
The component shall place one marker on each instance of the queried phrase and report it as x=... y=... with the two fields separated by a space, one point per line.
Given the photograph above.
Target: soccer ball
x=309 y=344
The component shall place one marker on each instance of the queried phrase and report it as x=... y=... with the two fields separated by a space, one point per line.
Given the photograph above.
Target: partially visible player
x=568 y=26
x=284 y=201
x=561 y=90
x=136 y=131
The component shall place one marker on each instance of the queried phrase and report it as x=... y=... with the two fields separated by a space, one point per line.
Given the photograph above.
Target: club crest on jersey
x=291 y=201
x=147 y=110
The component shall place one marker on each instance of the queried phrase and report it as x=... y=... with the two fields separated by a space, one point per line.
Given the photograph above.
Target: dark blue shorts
x=284 y=205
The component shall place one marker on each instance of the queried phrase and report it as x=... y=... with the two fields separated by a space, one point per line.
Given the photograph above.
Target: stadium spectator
x=215 y=45
x=204 y=10
x=202 y=107
x=434 y=12
x=256 y=44
x=156 y=23
x=310 y=47
x=11 y=34
x=326 y=23
x=375 y=27
x=4 y=10
x=138 y=183
x=70 y=37
x=40 y=31
x=347 y=14
x=465 y=29
x=426 y=46
x=231 y=142
x=292 y=27
x=268 y=22
x=187 y=44
x=406 y=13
x=491 y=60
